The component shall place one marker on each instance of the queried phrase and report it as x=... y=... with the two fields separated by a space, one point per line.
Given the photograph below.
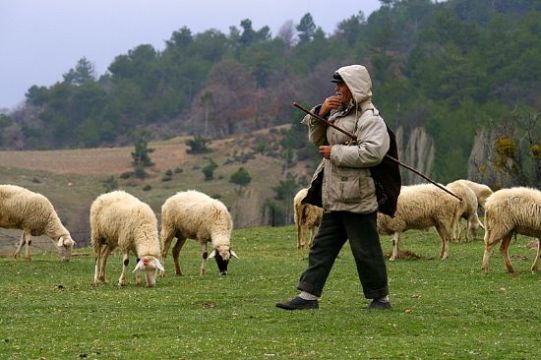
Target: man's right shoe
x=379 y=305
x=298 y=303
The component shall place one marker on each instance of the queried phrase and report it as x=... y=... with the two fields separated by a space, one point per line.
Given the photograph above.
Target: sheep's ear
x=139 y=266
x=212 y=254
x=159 y=265
x=233 y=254
x=60 y=242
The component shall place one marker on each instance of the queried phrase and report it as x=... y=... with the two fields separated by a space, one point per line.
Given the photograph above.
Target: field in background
x=441 y=309
x=72 y=179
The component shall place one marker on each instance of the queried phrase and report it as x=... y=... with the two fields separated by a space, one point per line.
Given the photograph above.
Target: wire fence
x=10 y=238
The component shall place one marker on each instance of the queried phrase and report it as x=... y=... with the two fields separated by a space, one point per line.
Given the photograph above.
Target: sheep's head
x=65 y=245
x=150 y=265
x=222 y=254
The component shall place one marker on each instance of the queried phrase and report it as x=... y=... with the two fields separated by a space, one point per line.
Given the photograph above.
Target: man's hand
x=325 y=151
x=330 y=103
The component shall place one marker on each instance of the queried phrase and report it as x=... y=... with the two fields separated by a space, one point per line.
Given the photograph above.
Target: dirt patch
x=100 y=161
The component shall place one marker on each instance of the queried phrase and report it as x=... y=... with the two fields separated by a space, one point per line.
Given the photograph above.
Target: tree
x=198 y=145
x=140 y=156
x=306 y=28
x=82 y=73
x=241 y=178
x=208 y=170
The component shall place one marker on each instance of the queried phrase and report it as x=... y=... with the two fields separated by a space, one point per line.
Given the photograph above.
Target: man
x=343 y=186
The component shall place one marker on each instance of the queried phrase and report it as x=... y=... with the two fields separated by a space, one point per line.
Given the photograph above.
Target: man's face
x=343 y=92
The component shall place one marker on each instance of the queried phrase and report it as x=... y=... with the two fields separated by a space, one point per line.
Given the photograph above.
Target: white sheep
x=33 y=213
x=482 y=192
x=307 y=218
x=468 y=208
x=511 y=211
x=120 y=219
x=194 y=215
x=420 y=207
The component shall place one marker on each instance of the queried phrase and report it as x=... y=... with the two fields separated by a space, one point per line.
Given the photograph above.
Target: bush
x=147 y=187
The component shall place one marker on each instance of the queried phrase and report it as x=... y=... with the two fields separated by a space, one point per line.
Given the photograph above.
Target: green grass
x=441 y=309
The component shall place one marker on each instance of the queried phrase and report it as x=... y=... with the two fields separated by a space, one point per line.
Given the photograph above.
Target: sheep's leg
x=312 y=237
x=97 y=260
x=490 y=241
x=300 y=240
x=396 y=242
x=22 y=241
x=167 y=237
x=443 y=232
x=104 y=253
x=535 y=263
x=504 y=250
x=176 y=253
x=204 y=255
x=125 y=262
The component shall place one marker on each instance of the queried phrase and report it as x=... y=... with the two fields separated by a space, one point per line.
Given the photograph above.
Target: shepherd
x=344 y=186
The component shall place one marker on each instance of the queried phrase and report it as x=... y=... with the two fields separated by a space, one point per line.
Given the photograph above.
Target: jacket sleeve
x=317 y=130
x=372 y=144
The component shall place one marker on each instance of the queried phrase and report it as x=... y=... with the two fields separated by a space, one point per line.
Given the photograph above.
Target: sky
x=40 y=40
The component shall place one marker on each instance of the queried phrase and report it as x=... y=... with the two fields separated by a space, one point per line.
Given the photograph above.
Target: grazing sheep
x=120 y=219
x=420 y=207
x=468 y=209
x=33 y=213
x=511 y=211
x=482 y=192
x=194 y=215
x=307 y=218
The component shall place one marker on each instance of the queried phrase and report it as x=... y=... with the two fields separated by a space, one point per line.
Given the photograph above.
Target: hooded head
x=358 y=81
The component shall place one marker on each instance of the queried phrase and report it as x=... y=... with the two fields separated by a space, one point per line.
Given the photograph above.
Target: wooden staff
x=354 y=137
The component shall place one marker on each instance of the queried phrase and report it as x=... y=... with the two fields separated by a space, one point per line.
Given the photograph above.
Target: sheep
x=511 y=211
x=307 y=218
x=482 y=192
x=468 y=208
x=420 y=207
x=120 y=219
x=194 y=215
x=33 y=213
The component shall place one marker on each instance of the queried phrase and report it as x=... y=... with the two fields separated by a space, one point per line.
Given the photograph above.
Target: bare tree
x=418 y=152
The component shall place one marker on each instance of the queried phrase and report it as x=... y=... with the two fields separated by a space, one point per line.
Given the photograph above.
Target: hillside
x=72 y=179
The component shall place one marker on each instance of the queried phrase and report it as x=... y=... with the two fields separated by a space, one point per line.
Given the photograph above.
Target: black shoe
x=379 y=305
x=298 y=303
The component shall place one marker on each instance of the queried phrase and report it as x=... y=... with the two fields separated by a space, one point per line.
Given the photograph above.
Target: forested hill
x=460 y=82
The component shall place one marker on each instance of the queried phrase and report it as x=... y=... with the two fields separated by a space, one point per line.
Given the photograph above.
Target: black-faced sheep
x=420 y=207
x=307 y=219
x=511 y=211
x=34 y=214
x=194 y=215
x=120 y=219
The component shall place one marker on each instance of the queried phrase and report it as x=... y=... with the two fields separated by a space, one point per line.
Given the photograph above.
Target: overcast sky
x=42 y=39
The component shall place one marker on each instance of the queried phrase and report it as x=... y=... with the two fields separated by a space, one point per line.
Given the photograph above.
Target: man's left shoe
x=298 y=303
x=379 y=305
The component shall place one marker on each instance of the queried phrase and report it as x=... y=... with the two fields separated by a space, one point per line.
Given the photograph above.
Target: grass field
x=441 y=309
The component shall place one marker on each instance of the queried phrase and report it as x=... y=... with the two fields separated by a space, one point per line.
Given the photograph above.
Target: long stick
x=322 y=119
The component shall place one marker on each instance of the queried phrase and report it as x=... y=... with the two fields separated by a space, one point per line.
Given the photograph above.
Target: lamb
x=468 y=208
x=307 y=218
x=120 y=219
x=420 y=207
x=33 y=213
x=194 y=215
x=511 y=211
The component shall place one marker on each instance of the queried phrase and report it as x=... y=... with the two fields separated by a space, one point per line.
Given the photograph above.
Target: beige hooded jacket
x=347 y=184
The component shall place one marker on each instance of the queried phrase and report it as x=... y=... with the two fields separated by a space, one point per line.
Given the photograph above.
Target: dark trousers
x=335 y=229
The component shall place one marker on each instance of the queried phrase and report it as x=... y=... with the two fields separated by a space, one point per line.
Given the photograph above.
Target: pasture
x=441 y=309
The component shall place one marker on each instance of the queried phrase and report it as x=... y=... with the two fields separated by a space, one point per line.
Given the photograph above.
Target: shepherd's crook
x=354 y=137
